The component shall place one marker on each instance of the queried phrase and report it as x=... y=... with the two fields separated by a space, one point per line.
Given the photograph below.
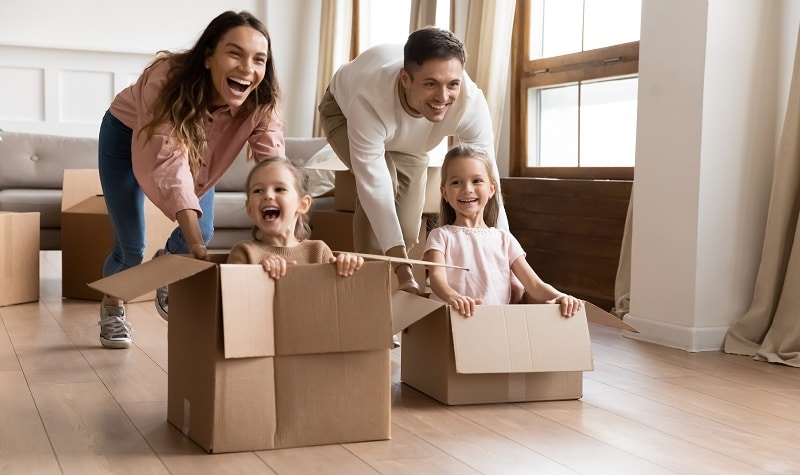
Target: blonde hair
x=447 y=215
x=302 y=229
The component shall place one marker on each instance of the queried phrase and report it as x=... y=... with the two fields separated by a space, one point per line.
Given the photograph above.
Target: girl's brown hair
x=302 y=229
x=188 y=90
x=447 y=215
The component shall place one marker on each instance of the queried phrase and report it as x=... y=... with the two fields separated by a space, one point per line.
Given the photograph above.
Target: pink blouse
x=488 y=254
x=161 y=165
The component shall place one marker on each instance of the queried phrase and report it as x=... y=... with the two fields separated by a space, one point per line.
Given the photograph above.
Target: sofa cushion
x=38 y=160
x=46 y=202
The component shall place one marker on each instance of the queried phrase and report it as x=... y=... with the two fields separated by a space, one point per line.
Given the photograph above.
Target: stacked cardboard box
x=19 y=257
x=86 y=236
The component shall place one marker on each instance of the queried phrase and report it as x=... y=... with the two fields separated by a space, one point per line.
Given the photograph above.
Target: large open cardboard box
x=259 y=364
x=19 y=257
x=503 y=353
x=86 y=236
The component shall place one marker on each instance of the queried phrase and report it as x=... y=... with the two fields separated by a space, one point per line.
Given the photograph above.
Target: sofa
x=32 y=169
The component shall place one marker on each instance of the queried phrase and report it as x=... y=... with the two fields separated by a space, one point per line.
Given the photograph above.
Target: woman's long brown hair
x=188 y=90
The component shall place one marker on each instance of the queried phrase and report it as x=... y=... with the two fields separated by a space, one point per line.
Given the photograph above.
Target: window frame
x=613 y=61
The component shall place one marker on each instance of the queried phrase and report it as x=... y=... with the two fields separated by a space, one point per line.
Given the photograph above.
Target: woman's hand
x=199 y=251
x=569 y=304
x=275 y=265
x=465 y=305
x=347 y=264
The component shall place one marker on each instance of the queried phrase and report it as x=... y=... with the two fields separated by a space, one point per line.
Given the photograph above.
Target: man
x=382 y=113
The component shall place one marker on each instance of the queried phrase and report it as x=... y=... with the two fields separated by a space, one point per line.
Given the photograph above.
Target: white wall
x=713 y=79
x=59 y=76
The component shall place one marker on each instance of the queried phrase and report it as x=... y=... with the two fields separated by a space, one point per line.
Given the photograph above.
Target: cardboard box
x=19 y=257
x=259 y=364
x=345 y=191
x=503 y=353
x=86 y=236
x=333 y=227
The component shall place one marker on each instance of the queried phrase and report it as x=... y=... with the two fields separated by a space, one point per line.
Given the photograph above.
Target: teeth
x=243 y=82
x=437 y=107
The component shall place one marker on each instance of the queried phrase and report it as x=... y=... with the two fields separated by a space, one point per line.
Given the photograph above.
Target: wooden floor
x=69 y=406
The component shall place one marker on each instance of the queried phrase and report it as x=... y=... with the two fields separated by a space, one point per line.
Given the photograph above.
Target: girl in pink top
x=467 y=238
x=173 y=133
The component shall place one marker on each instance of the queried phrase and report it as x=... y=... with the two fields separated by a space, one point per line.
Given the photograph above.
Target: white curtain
x=770 y=330
x=334 y=46
x=489 y=24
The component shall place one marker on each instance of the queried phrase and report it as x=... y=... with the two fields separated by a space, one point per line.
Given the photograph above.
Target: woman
x=172 y=135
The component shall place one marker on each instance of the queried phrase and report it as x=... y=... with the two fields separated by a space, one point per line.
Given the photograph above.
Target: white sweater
x=366 y=91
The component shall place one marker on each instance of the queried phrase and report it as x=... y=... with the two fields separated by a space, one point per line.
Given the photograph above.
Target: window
x=576 y=95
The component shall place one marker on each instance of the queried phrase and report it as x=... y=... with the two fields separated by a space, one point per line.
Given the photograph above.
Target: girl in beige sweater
x=278 y=202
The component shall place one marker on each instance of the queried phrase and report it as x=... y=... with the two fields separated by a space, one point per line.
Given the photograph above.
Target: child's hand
x=347 y=264
x=569 y=304
x=464 y=305
x=275 y=266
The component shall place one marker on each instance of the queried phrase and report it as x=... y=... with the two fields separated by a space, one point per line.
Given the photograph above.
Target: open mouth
x=238 y=85
x=270 y=214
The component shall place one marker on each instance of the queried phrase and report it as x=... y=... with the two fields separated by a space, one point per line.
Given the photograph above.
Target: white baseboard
x=692 y=339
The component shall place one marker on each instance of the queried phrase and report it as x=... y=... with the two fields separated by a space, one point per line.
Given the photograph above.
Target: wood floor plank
x=405 y=453
x=90 y=433
x=320 y=460
x=766 y=454
x=24 y=446
x=179 y=453
x=734 y=415
x=475 y=445
x=668 y=451
x=47 y=355
x=8 y=357
x=558 y=442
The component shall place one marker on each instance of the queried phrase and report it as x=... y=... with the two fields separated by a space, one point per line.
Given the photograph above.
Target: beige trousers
x=409 y=174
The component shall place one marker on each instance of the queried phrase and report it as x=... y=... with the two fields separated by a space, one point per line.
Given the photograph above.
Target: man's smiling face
x=433 y=87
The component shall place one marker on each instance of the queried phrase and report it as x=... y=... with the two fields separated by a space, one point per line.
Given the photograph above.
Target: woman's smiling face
x=237 y=65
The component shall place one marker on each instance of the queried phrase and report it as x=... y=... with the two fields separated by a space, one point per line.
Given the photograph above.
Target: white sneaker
x=115 y=331
x=162 y=294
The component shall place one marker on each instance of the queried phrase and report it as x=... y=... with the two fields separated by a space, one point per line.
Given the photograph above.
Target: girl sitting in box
x=278 y=202
x=467 y=238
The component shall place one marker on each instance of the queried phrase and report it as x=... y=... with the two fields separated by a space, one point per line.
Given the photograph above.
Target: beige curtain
x=622 y=284
x=489 y=24
x=770 y=330
x=423 y=13
x=334 y=46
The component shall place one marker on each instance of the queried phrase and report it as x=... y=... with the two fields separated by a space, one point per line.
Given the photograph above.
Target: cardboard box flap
x=408 y=309
x=150 y=275
x=595 y=314
x=78 y=185
x=333 y=164
x=520 y=339
x=95 y=204
x=247 y=311
x=318 y=311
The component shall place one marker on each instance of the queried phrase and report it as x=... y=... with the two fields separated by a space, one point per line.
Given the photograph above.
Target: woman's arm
x=190 y=227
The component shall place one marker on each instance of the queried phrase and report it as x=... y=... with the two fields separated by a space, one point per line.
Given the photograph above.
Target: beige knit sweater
x=307 y=252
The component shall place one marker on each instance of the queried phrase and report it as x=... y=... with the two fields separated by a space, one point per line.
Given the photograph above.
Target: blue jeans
x=125 y=201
